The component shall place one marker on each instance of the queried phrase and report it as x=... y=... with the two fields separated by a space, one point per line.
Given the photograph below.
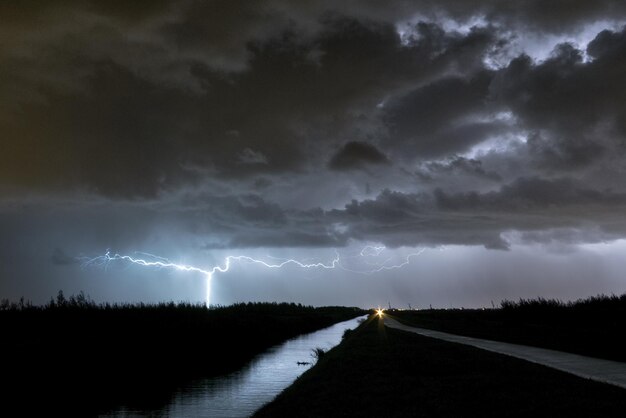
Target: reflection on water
x=241 y=393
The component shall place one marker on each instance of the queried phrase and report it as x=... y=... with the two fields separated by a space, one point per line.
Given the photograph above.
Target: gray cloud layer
x=272 y=123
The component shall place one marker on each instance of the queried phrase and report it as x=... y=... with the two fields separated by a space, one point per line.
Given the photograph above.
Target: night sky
x=487 y=136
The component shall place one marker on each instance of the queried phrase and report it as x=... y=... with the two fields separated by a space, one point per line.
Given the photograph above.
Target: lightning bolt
x=371 y=250
x=375 y=251
x=160 y=262
x=151 y=260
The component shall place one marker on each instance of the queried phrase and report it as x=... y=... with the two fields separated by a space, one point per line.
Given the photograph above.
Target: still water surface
x=241 y=393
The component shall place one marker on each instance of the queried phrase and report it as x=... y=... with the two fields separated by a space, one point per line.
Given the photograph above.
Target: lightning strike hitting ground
x=150 y=260
x=161 y=262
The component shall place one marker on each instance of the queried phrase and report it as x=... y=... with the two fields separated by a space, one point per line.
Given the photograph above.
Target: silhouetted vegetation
x=595 y=326
x=318 y=353
x=593 y=305
x=73 y=354
x=378 y=371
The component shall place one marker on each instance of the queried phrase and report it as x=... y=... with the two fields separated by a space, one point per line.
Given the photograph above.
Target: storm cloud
x=354 y=155
x=248 y=125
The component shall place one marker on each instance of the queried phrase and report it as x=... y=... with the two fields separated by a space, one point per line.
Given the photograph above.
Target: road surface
x=606 y=371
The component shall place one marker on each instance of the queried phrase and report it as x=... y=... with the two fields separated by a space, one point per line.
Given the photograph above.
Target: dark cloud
x=355 y=155
x=571 y=108
x=131 y=118
x=442 y=117
x=607 y=45
x=529 y=205
x=534 y=207
x=203 y=126
x=527 y=194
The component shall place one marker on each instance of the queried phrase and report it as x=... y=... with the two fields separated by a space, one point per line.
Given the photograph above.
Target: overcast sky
x=484 y=140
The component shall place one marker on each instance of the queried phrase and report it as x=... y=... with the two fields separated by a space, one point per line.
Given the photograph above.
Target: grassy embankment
x=79 y=357
x=384 y=372
x=595 y=326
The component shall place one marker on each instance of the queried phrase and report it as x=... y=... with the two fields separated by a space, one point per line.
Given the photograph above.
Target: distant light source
x=379 y=312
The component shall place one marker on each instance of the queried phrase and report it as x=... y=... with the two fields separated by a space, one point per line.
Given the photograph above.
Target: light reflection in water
x=241 y=393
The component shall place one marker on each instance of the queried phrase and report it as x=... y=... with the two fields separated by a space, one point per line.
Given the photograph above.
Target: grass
x=595 y=326
x=318 y=353
x=81 y=358
x=377 y=371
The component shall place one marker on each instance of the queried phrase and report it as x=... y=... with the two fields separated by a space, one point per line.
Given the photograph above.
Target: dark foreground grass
x=76 y=358
x=389 y=373
x=595 y=326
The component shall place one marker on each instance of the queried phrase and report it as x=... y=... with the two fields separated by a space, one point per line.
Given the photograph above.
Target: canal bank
x=384 y=372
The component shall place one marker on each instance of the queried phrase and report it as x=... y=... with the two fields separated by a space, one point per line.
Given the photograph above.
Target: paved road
x=606 y=371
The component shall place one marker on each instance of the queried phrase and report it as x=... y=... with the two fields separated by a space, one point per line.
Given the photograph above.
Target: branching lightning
x=151 y=260
x=160 y=262
x=375 y=251
x=371 y=250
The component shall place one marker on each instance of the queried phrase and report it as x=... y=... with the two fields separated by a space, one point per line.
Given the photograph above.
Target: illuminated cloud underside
x=204 y=129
